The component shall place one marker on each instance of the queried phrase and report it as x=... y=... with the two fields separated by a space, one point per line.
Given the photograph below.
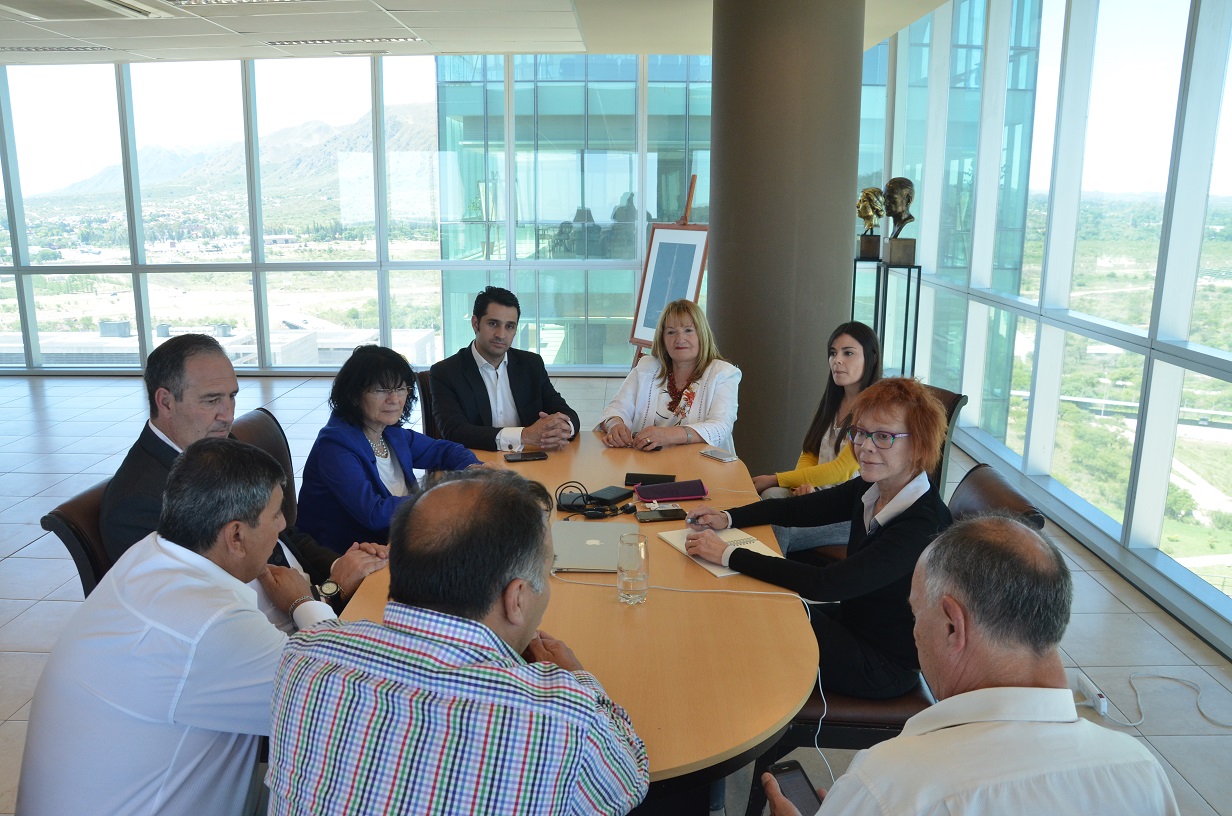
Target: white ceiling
x=84 y=31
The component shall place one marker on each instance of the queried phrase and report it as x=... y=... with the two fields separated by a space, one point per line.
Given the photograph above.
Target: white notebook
x=731 y=535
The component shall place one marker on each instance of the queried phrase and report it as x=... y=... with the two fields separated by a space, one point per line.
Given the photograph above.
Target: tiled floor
x=59 y=436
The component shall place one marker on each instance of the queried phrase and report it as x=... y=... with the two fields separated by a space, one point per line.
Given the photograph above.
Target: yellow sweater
x=843 y=467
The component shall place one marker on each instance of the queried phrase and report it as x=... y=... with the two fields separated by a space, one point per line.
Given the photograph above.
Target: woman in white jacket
x=683 y=393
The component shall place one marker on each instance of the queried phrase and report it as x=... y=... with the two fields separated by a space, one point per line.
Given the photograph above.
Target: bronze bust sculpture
x=899 y=193
x=870 y=208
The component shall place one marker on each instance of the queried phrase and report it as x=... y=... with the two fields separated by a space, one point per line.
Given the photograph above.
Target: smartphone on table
x=795 y=785
x=526 y=456
x=665 y=514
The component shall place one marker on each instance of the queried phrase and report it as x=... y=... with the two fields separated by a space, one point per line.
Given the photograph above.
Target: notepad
x=732 y=535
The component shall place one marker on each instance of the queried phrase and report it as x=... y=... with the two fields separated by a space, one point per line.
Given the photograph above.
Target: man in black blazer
x=192 y=385
x=492 y=397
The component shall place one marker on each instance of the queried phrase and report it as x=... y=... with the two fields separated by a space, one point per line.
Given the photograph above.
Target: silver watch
x=328 y=590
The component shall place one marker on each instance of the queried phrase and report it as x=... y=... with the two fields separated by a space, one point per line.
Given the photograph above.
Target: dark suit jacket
x=872 y=583
x=133 y=502
x=460 y=399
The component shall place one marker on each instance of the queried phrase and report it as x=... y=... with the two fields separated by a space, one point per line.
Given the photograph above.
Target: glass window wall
x=962 y=138
x=411 y=158
x=577 y=155
x=214 y=303
x=1009 y=360
x=1209 y=323
x=1026 y=146
x=318 y=317
x=189 y=122
x=86 y=319
x=678 y=138
x=70 y=168
x=12 y=348
x=1197 y=527
x=1092 y=452
x=415 y=315
x=314 y=121
x=471 y=139
x=1138 y=49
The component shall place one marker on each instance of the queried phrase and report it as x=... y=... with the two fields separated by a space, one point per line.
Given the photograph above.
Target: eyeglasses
x=384 y=393
x=881 y=439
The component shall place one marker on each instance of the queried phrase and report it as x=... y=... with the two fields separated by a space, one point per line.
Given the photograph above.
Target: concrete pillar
x=785 y=142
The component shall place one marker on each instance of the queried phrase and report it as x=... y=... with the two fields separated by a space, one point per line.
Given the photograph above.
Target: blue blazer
x=342 y=498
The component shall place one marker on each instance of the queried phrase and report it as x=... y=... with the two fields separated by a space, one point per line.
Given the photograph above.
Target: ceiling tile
x=308 y=25
x=502 y=35
x=276 y=9
x=518 y=6
x=488 y=19
x=132 y=28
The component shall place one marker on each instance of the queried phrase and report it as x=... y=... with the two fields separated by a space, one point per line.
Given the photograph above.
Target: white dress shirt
x=154 y=696
x=276 y=616
x=500 y=400
x=1003 y=751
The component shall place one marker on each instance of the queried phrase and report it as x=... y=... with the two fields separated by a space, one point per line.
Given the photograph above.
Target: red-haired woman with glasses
x=863 y=622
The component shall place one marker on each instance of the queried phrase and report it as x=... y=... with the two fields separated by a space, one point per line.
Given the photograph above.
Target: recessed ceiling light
x=358 y=41
x=53 y=48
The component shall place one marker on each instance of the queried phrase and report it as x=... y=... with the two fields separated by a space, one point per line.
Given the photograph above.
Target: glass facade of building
x=382 y=194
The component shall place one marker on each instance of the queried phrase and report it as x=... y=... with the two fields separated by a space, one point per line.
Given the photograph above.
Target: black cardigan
x=872 y=583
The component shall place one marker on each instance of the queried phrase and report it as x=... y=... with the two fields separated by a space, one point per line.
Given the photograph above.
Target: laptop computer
x=588 y=546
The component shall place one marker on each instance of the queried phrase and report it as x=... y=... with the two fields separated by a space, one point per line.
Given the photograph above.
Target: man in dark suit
x=191 y=385
x=492 y=397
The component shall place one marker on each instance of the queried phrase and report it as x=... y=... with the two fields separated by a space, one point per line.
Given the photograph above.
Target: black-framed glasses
x=881 y=439
x=384 y=393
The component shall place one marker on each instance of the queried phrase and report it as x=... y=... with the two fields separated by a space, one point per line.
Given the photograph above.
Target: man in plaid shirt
x=436 y=709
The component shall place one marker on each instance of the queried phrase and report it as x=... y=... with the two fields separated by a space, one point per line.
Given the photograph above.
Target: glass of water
x=632 y=569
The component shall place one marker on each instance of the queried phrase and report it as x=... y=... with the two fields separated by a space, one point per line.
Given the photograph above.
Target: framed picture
x=674 y=267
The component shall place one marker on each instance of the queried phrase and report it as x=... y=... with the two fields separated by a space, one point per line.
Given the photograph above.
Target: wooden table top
x=705 y=677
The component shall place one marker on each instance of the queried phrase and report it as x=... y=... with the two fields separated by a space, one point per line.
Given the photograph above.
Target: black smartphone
x=670 y=514
x=635 y=479
x=795 y=785
x=525 y=456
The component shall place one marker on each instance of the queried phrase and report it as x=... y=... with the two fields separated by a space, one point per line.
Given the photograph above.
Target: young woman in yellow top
x=825 y=458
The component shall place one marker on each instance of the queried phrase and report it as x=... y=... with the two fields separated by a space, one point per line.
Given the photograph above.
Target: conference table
x=710 y=676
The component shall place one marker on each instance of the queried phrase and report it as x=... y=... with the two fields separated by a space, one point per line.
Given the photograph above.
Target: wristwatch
x=328 y=590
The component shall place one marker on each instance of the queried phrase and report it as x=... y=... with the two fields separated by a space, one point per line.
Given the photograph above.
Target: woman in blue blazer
x=362 y=465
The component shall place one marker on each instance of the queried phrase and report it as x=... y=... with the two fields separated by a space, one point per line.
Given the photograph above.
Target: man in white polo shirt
x=991 y=599
x=154 y=698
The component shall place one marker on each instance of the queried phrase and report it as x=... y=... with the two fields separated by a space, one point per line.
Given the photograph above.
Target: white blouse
x=708 y=406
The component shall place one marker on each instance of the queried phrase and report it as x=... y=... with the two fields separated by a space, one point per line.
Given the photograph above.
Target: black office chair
x=423 y=384
x=952 y=403
x=76 y=523
x=261 y=429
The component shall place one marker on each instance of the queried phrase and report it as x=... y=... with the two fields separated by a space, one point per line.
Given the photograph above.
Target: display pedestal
x=898 y=347
x=870 y=248
x=899 y=252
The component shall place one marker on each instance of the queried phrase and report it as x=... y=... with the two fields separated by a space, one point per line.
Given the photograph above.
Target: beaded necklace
x=675 y=393
x=378 y=447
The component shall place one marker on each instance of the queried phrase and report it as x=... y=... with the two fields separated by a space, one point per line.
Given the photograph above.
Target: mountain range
x=297 y=160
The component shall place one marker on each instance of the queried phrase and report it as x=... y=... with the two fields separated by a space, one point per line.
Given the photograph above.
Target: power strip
x=1094 y=697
